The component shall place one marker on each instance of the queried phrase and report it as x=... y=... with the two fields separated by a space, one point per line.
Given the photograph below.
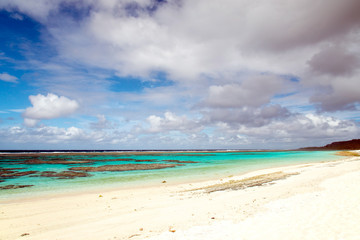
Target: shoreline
x=144 y=152
x=170 y=181
x=157 y=211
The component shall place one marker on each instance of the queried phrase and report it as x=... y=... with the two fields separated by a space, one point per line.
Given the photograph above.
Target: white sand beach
x=311 y=201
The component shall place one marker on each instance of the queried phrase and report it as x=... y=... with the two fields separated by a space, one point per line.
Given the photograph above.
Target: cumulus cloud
x=180 y=37
x=171 y=122
x=341 y=94
x=53 y=137
x=249 y=117
x=253 y=92
x=335 y=61
x=43 y=135
x=30 y=122
x=173 y=130
x=48 y=107
x=297 y=130
x=8 y=78
x=228 y=61
x=139 y=37
x=334 y=75
x=102 y=123
x=295 y=24
x=39 y=10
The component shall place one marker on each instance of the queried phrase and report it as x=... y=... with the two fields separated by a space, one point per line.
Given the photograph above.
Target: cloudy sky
x=174 y=74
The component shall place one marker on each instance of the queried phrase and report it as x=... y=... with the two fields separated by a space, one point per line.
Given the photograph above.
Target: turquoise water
x=197 y=166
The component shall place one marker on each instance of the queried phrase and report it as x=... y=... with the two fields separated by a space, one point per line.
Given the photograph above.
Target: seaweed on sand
x=348 y=154
x=258 y=180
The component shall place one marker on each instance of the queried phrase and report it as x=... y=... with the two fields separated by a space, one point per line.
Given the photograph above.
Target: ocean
x=32 y=174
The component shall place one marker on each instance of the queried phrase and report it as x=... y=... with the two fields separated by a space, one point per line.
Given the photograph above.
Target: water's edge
x=179 y=167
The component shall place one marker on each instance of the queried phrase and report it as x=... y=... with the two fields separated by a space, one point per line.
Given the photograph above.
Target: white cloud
x=228 y=62
x=297 y=24
x=8 y=78
x=102 y=123
x=45 y=135
x=17 y=16
x=38 y=9
x=293 y=132
x=335 y=61
x=48 y=107
x=340 y=94
x=52 y=137
x=252 y=92
x=247 y=116
x=192 y=39
x=174 y=131
x=333 y=74
x=182 y=41
x=30 y=122
x=172 y=122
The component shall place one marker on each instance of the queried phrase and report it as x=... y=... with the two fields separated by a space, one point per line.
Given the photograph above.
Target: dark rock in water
x=33 y=161
x=146 y=160
x=20 y=174
x=41 y=159
x=47 y=172
x=124 y=160
x=11 y=169
x=64 y=174
x=14 y=186
x=6 y=171
x=10 y=173
x=179 y=161
x=56 y=161
x=118 y=159
x=127 y=160
x=124 y=167
x=11 y=159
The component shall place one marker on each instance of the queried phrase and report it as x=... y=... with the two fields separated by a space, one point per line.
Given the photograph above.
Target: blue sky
x=178 y=74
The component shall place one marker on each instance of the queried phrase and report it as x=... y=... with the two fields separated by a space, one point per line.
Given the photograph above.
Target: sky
x=178 y=74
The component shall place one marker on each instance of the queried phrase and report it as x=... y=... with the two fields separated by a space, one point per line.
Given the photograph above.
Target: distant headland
x=343 y=145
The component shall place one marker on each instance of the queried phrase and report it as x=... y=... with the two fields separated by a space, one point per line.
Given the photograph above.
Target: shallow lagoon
x=48 y=170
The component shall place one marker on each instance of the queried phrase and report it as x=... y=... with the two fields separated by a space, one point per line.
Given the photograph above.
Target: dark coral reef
x=125 y=167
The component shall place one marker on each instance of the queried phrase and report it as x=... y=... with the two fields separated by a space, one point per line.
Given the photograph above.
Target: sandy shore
x=312 y=201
